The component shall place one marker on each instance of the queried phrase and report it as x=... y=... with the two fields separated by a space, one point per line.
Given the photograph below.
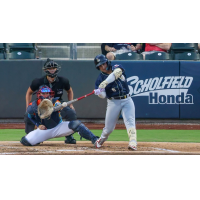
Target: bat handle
x=85 y=96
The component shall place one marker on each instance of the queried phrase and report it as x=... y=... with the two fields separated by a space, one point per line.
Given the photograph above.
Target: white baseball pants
x=37 y=136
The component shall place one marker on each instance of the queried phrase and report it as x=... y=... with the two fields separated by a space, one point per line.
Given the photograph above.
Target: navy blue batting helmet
x=99 y=60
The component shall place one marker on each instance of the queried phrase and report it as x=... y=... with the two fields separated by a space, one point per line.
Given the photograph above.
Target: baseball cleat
x=70 y=140
x=134 y=148
x=96 y=144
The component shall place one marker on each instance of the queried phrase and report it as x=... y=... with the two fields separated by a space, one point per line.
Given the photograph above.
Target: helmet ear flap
x=109 y=65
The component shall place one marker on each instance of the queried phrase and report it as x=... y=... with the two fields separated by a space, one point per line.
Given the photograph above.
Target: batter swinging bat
x=65 y=104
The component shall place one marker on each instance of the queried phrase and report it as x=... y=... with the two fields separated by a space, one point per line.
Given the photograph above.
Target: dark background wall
x=16 y=77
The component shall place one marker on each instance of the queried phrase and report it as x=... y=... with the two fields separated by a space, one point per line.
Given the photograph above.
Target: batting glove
x=98 y=91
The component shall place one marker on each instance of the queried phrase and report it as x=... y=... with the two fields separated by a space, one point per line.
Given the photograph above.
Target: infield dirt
x=109 y=148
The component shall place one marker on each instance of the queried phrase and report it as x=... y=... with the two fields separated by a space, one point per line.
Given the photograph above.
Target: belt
x=120 y=97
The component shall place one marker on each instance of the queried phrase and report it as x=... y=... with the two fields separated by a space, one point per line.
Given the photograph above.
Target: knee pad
x=25 y=142
x=74 y=125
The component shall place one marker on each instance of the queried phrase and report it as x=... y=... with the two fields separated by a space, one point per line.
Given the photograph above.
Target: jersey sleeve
x=32 y=117
x=66 y=84
x=35 y=85
x=118 y=66
x=30 y=110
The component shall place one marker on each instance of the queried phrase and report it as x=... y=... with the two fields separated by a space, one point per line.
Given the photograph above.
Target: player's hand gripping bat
x=46 y=107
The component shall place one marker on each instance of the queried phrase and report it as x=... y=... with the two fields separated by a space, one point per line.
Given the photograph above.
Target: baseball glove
x=45 y=109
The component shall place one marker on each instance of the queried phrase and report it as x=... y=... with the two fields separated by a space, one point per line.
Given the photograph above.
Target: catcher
x=45 y=114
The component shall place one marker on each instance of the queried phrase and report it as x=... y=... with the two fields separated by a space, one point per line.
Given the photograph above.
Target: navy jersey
x=49 y=123
x=119 y=46
x=116 y=88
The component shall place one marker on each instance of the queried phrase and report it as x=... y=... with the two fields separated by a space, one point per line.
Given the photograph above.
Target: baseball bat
x=57 y=108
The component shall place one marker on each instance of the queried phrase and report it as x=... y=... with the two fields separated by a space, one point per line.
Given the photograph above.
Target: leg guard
x=69 y=114
x=132 y=138
x=29 y=126
x=25 y=142
x=84 y=132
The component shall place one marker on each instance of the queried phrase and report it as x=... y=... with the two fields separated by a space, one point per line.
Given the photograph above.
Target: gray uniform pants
x=114 y=107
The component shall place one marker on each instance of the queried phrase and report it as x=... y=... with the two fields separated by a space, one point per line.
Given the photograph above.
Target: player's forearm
x=70 y=95
x=28 y=99
x=28 y=96
x=111 y=78
x=37 y=123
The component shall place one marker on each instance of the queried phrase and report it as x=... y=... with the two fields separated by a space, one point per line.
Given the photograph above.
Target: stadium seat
x=129 y=56
x=21 y=55
x=160 y=55
x=2 y=51
x=21 y=50
x=183 y=47
x=186 y=56
x=13 y=46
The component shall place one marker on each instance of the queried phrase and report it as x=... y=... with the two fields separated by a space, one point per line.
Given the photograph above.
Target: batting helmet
x=51 y=64
x=45 y=89
x=99 y=60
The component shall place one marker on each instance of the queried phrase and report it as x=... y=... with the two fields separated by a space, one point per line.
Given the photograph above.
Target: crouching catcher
x=52 y=126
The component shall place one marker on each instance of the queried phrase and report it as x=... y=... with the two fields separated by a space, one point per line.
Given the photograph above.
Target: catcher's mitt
x=45 y=109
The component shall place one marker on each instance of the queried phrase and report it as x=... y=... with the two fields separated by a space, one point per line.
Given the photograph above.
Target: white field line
x=173 y=151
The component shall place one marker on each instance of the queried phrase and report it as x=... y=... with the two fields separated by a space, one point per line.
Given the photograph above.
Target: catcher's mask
x=49 y=64
x=45 y=93
x=100 y=60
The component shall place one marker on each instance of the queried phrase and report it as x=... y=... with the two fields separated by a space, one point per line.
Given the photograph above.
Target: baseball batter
x=111 y=83
x=52 y=126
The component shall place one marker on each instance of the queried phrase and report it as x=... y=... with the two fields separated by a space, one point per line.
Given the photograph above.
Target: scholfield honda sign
x=162 y=90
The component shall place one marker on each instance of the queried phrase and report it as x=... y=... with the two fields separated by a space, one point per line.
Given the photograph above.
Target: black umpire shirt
x=57 y=86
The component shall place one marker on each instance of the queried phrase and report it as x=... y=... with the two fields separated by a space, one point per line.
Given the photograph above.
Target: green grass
x=121 y=135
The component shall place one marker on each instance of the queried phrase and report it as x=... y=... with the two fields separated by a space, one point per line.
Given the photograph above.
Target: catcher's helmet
x=51 y=64
x=45 y=89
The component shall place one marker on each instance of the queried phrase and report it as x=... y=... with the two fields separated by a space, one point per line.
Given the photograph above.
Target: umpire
x=57 y=84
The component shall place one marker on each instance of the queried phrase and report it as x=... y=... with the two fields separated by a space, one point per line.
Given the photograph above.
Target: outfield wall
x=160 y=89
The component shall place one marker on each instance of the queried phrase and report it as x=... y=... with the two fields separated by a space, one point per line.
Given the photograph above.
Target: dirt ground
x=109 y=148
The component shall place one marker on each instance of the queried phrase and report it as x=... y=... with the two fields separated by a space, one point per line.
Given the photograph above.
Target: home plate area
x=109 y=148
